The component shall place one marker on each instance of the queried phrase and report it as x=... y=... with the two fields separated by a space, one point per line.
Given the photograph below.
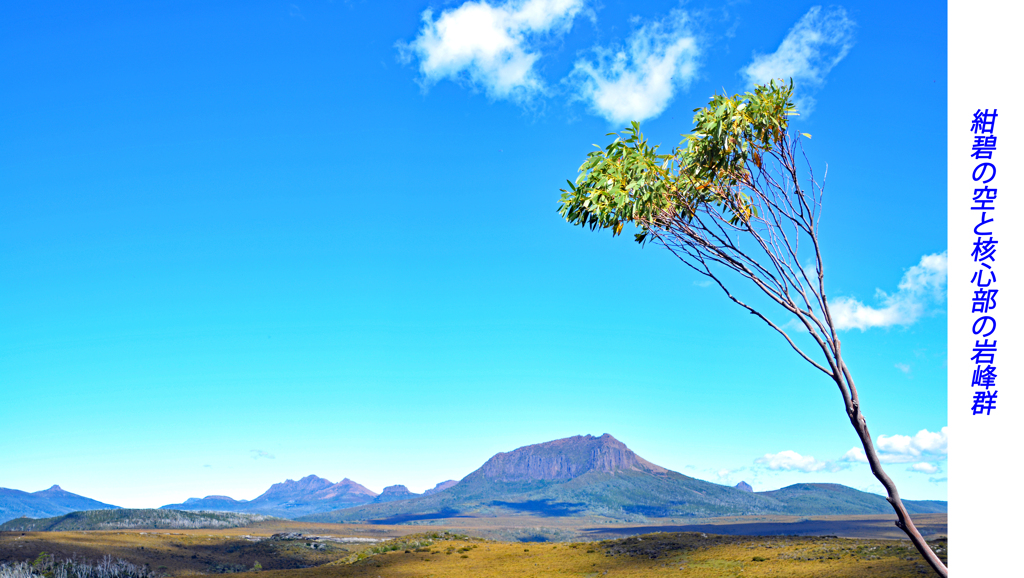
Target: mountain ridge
x=53 y=501
x=581 y=475
x=288 y=499
x=600 y=476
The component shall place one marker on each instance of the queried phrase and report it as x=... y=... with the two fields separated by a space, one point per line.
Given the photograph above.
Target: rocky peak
x=346 y=488
x=54 y=489
x=744 y=486
x=290 y=488
x=440 y=487
x=565 y=459
x=396 y=492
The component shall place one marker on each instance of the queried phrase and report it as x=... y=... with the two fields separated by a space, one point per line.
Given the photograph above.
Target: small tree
x=729 y=198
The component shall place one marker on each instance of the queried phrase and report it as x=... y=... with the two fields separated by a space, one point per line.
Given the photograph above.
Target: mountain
x=744 y=486
x=576 y=476
x=288 y=499
x=52 y=501
x=124 y=518
x=440 y=486
x=600 y=476
x=392 y=493
x=563 y=460
x=825 y=499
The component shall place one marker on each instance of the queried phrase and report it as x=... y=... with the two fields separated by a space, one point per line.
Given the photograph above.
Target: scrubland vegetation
x=652 y=555
x=132 y=519
x=268 y=553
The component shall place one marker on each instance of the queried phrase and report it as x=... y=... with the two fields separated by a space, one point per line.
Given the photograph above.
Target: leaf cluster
x=629 y=182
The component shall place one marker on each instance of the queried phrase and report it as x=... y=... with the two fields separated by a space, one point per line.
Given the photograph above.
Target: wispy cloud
x=924 y=468
x=491 y=46
x=811 y=49
x=257 y=454
x=727 y=476
x=791 y=461
x=921 y=284
x=901 y=449
x=639 y=80
x=904 y=368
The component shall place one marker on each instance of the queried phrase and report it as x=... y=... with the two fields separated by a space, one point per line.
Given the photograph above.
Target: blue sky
x=255 y=241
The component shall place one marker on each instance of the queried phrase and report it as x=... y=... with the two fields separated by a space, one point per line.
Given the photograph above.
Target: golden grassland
x=436 y=554
x=652 y=555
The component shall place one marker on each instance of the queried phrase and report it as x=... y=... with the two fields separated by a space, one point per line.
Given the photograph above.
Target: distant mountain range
x=52 y=501
x=576 y=476
x=600 y=476
x=289 y=499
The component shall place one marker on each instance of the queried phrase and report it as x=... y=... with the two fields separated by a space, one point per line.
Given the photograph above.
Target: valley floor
x=417 y=552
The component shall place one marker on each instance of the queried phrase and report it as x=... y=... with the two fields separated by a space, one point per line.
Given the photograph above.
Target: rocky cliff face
x=564 y=459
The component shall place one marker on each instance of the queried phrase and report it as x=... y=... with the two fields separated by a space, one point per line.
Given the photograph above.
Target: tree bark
x=903 y=521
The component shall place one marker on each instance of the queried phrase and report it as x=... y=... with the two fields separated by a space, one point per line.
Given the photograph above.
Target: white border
x=985 y=482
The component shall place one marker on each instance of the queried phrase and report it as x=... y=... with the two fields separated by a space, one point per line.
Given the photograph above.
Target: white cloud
x=924 y=442
x=924 y=468
x=855 y=455
x=638 y=81
x=790 y=460
x=491 y=46
x=901 y=449
x=257 y=454
x=904 y=368
x=921 y=284
x=815 y=44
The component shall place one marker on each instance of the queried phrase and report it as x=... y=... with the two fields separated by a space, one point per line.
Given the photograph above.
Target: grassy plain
x=683 y=554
